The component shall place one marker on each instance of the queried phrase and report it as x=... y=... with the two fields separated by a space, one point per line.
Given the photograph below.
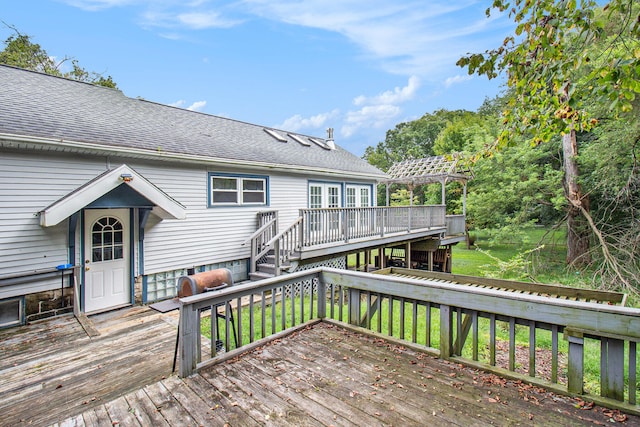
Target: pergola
x=429 y=170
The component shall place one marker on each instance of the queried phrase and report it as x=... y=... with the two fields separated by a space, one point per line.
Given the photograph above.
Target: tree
x=550 y=71
x=410 y=140
x=21 y=52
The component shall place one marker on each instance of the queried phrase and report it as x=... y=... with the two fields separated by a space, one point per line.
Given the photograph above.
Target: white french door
x=107 y=281
x=358 y=196
x=325 y=196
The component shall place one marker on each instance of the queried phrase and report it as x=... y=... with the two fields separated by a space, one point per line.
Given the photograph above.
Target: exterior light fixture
x=126 y=177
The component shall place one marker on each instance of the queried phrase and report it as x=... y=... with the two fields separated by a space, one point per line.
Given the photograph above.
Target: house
x=107 y=200
x=126 y=195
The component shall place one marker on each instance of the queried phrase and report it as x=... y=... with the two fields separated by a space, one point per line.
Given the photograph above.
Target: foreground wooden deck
x=322 y=375
x=52 y=369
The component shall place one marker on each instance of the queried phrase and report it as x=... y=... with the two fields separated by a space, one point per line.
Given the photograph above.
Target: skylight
x=299 y=140
x=319 y=143
x=275 y=135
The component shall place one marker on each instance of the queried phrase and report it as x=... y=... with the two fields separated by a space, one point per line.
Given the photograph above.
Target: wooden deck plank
x=77 y=421
x=56 y=367
x=321 y=375
x=168 y=405
x=260 y=391
x=286 y=388
x=120 y=414
x=97 y=417
x=415 y=378
x=385 y=385
x=325 y=367
x=192 y=402
x=144 y=410
x=352 y=404
x=223 y=404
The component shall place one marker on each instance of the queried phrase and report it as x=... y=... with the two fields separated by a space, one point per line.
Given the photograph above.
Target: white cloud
x=192 y=20
x=412 y=37
x=372 y=116
x=95 y=5
x=297 y=122
x=178 y=104
x=450 y=81
x=379 y=111
x=201 y=20
x=395 y=96
x=409 y=37
x=196 y=106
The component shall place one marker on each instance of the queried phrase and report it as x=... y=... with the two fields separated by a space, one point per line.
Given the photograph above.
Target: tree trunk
x=578 y=233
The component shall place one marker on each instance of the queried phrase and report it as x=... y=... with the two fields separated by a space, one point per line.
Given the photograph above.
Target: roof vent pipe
x=330 y=143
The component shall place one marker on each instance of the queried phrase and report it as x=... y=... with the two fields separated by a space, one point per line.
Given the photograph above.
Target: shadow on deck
x=321 y=375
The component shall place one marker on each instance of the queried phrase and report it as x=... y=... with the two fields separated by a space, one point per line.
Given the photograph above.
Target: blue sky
x=358 y=66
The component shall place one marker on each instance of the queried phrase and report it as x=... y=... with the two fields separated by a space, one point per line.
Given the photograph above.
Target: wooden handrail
x=279 y=235
x=409 y=304
x=259 y=231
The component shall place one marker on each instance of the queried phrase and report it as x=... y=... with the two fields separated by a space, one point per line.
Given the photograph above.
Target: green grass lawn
x=538 y=255
x=489 y=256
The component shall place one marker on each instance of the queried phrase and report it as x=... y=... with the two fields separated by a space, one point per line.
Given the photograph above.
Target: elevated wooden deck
x=52 y=373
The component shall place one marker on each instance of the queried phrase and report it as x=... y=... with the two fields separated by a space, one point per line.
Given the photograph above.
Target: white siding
x=207 y=236
x=27 y=185
x=210 y=235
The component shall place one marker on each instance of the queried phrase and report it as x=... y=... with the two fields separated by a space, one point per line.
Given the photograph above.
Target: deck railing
x=337 y=225
x=333 y=225
x=456 y=225
x=478 y=326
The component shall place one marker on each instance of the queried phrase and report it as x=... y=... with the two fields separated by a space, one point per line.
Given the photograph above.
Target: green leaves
x=21 y=52
x=563 y=53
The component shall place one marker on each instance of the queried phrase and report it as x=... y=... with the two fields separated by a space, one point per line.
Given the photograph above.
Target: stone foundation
x=49 y=303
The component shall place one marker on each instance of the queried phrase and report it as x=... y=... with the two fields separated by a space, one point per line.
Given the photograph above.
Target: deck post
x=575 y=362
x=277 y=251
x=187 y=332
x=322 y=296
x=446 y=331
x=354 y=307
x=612 y=368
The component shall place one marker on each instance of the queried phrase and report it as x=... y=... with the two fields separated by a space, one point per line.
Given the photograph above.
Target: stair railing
x=260 y=241
x=286 y=244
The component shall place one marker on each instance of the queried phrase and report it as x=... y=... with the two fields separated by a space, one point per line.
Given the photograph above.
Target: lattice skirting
x=309 y=285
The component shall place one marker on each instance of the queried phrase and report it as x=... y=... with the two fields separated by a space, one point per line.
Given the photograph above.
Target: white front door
x=106 y=247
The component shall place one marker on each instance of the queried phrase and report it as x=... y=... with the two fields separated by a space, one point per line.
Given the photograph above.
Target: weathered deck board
x=322 y=375
x=54 y=369
x=325 y=375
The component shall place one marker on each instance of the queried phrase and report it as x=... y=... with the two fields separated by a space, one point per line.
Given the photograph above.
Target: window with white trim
x=237 y=190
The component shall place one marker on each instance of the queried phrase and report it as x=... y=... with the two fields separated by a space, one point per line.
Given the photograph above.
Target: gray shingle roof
x=35 y=104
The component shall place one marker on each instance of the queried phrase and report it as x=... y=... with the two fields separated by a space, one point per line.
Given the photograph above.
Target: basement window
x=238 y=190
x=11 y=312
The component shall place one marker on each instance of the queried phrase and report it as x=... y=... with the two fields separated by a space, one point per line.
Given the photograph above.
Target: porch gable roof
x=164 y=206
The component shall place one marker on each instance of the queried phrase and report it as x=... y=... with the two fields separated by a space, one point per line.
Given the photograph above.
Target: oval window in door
x=107 y=239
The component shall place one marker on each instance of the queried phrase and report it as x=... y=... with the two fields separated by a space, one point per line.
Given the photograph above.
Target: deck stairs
x=267 y=267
